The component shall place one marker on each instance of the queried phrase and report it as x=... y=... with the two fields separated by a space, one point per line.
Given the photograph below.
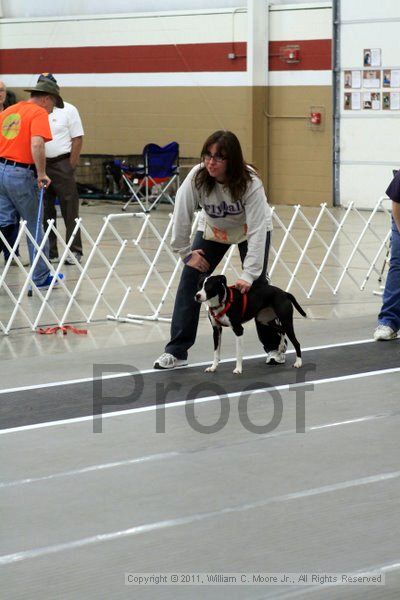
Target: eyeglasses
x=207 y=156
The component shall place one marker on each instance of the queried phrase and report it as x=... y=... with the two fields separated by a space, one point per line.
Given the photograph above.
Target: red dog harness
x=228 y=304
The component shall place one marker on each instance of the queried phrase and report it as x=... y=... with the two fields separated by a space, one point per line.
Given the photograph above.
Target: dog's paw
x=211 y=369
x=297 y=364
x=237 y=371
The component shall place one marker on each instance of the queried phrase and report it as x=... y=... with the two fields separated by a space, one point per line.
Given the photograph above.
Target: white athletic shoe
x=384 y=333
x=70 y=261
x=169 y=361
x=274 y=357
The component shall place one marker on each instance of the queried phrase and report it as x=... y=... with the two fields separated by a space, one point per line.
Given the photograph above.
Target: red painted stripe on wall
x=124 y=59
x=315 y=55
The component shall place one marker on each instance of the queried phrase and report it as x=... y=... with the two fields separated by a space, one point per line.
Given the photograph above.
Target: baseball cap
x=47 y=76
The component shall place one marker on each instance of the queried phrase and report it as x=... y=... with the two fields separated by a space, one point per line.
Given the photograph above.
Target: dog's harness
x=217 y=315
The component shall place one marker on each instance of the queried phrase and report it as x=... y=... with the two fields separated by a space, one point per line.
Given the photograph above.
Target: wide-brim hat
x=48 y=87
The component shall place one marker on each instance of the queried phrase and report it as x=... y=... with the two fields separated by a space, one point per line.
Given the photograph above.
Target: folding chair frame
x=146 y=181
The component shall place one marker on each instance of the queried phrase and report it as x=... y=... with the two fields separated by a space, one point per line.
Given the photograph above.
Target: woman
x=234 y=210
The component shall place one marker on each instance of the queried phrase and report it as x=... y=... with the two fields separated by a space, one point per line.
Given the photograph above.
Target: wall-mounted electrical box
x=290 y=54
x=317 y=118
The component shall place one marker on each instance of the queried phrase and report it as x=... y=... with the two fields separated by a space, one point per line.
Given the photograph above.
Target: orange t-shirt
x=18 y=124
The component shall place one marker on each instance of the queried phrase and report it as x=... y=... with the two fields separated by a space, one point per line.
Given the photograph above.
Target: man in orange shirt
x=24 y=129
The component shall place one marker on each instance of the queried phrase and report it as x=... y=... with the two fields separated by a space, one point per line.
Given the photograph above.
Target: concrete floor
x=80 y=510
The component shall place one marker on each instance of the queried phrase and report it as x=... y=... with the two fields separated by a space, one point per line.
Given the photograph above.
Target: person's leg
x=9 y=217
x=64 y=187
x=22 y=188
x=390 y=312
x=10 y=232
x=185 y=317
x=268 y=335
x=49 y=212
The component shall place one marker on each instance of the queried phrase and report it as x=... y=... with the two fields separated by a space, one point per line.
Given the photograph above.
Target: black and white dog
x=228 y=307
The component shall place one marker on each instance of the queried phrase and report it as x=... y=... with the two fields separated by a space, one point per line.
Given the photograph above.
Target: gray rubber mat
x=53 y=403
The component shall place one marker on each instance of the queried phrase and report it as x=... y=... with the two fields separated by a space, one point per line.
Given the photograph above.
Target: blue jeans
x=390 y=311
x=19 y=196
x=185 y=317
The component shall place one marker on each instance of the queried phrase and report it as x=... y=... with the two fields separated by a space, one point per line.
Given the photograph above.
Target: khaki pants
x=63 y=187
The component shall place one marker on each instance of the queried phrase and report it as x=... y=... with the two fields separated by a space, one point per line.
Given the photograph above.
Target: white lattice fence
x=131 y=274
x=84 y=292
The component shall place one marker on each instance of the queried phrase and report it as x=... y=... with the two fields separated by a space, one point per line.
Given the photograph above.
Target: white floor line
x=169 y=405
x=38 y=386
x=167 y=455
x=91 y=469
x=188 y=520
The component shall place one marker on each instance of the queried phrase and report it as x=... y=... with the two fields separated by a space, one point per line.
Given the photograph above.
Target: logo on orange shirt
x=11 y=126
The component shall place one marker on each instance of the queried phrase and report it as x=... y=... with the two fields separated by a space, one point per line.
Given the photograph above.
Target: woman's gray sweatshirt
x=221 y=211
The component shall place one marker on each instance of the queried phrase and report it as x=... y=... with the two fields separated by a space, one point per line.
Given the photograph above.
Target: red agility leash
x=63 y=328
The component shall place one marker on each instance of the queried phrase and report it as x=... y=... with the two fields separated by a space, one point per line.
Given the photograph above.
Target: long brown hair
x=238 y=173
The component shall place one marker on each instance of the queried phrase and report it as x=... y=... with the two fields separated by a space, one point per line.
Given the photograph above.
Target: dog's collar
x=228 y=303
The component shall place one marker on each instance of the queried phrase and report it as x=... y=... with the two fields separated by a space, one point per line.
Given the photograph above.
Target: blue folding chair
x=152 y=182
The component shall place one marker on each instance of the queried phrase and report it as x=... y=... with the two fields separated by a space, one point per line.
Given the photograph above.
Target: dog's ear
x=223 y=280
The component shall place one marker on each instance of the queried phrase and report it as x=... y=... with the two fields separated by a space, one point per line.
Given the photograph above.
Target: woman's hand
x=243 y=286
x=196 y=260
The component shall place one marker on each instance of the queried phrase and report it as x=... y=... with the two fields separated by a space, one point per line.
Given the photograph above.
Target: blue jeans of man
x=390 y=311
x=19 y=196
x=185 y=317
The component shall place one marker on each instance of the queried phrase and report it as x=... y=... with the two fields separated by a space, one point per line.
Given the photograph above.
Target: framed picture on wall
x=367 y=57
x=352 y=79
x=372 y=57
x=367 y=101
x=372 y=78
x=387 y=78
x=352 y=101
x=386 y=101
x=376 y=100
x=394 y=100
x=395 y=78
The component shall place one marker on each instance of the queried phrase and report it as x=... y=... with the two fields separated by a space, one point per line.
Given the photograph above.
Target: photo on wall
x=352 y=101
x=371 y=101
x=372 y=78
x=352 y=79
x=386 y=101
x=372 y=57
x=387 y=77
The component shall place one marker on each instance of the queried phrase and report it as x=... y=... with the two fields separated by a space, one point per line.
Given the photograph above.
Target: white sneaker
x=169 y=361
x=274 y=357
x=70 y=261
x=384 y=333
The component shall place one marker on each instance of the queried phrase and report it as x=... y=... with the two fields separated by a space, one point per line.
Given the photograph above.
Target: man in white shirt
x=62 y=156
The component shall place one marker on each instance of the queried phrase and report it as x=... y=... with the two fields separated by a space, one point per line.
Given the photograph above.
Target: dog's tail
x=296 y=305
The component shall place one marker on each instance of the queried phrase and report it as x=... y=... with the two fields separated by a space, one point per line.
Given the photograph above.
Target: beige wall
x=300 y=157
x=122 y=120
x=294 y=161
